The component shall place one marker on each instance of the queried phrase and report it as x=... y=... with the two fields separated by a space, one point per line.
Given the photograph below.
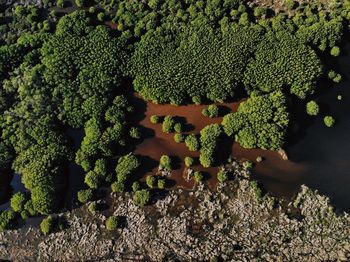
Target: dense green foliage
x=47 y=225
x=112 y=223
x=329 y=121
x=209 y=140
x=202 y=64
x=192 y=143
x=165 y=162
x=282 y=60
x=312 y=108
x=261 y=121
x=142 y=197
x=18 y=201
x=60 y=72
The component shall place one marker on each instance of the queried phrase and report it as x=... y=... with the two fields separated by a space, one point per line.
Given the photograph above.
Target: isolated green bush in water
x=312 y=108
x=329 y=121
x=260 y=122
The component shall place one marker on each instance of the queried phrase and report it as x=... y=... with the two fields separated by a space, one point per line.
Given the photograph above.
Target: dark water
x=325 y=152
x=15 y=186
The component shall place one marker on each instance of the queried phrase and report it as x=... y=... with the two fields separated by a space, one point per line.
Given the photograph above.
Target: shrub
x=61 y=3
x=329 y=121
x=189 y=161
x=141 y=197
x=92 y=179
x=18 y=201
x=198 y=177
x=7 y=219
x=154 y=119
x=260 y=122
x=80 y=3
x=135 y=186
x=118 y=187
x=47 y=225
x=135 y=132
x=92 y=207
x=205 y=112
x=290 y=4
x=165 y=162
x=213 y=111
x=312 y=108
x=161 y=183
x=85 y=195
x=248 y=164
x=112 y=223
x=150 y=181
x=179 y=138
x=192 y=143
x=101 y=167
x=222 y=176
x=168 y=124
x=335 y=51
x=209 y=138
x=101 y=16
x=197 y=100
x=127 y=164
x=178 y=128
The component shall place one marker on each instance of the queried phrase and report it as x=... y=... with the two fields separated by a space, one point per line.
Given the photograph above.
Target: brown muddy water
x=160 y=143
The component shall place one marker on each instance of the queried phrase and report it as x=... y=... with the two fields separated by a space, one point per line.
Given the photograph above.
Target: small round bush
x=25 y=214
x=150 y=181
x=142 y=197
x=118 y=187
x=92 y=207
x=178 y=128
x=92 y=10
x=85 y=195
x=92 y=179
x=192 y=143
x=205 y=112
x=329 y=121
x=290 y=4
x=312 y=108
x=337 y=79
x=101 y=16
x=198 y=177
x=47 y=225
x=222 y=176
x=189 y=161
x=80 y=3
x=335 y=51
x=213 y=111
x=101 y=167
x=339 y=97
x=135 y=132
x=112 y=223
x=248 y=164
x=179 y=138
x=154 y=119
x=168 y=124
x=197 y=100
x=165 y=162
x=18 y=201
x=161 y=183
x=135 y=186
x=61 y=3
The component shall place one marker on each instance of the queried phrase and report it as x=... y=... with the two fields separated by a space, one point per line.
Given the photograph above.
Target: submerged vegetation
x=64 y=71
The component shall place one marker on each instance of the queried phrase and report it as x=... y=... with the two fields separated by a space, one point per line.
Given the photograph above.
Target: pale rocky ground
x=231 y=223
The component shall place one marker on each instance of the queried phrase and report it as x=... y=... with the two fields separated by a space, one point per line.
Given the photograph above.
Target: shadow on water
x=325 y=152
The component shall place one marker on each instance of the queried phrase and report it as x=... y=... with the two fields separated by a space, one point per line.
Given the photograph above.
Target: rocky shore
x=235 y=223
